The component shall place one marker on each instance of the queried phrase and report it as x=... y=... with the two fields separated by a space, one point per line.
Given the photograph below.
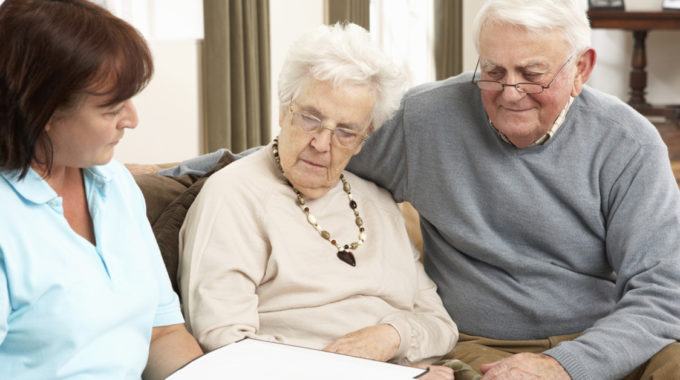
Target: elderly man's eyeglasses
x=527 y=88
x=308 y=123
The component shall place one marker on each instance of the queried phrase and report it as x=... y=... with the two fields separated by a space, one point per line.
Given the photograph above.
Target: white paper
x=259 y=360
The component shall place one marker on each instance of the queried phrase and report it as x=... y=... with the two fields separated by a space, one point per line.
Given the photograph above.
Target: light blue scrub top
x=69 y=309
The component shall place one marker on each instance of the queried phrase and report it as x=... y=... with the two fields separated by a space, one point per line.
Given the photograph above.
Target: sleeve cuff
x=169 y=314
x=572 y=365
x=404 y=330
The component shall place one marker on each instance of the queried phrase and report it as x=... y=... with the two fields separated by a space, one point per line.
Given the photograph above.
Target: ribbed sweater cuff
x=572 y=365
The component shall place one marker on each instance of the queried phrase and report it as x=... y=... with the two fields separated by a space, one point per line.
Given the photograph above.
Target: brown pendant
x=347 y=257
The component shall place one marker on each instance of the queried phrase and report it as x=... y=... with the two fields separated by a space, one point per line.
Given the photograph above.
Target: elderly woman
x=283 y=245
x=83 y=289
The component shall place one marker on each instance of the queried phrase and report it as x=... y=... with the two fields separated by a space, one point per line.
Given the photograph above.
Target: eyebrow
x=310 y=110
x=110 y=106
x=485 y=63
x=104 y=101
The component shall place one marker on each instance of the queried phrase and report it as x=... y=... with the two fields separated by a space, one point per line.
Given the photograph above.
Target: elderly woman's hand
x=436 y=372
x=379 y=342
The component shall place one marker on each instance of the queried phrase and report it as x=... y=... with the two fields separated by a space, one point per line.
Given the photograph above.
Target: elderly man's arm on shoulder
x=197 y=165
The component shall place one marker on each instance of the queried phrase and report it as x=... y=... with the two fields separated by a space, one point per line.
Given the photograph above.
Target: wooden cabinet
x=640 y=23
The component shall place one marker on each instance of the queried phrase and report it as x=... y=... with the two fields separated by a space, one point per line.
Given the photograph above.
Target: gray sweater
x=581 y=234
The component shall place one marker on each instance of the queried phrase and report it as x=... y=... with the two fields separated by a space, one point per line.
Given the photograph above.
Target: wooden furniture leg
x=638 y=83
x=638 y=74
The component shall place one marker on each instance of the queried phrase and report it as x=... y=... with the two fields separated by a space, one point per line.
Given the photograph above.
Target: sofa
x=168 y=199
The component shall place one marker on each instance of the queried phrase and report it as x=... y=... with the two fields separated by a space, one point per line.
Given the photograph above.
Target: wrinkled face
x=510 y=55
x=313 y=162
x=86 y=135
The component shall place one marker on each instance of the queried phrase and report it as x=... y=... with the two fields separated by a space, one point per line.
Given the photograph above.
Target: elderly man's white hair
x=342 y=54
x=538 y=16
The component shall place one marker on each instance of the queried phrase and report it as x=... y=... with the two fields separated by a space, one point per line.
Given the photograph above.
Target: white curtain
x=404 y=29
x=160 y=19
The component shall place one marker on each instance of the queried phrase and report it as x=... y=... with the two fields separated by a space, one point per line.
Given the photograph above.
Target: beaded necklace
x=344 y=252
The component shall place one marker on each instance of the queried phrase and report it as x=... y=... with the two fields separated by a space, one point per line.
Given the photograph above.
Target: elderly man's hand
x=379 y=342
x=525 y=366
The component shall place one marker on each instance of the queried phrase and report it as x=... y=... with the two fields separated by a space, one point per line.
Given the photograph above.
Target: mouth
x=517 y=110
x=116 y=141
x=314 y=164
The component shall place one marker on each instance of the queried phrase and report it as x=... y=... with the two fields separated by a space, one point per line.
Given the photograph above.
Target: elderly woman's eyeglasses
x=527 y=88
x=310 y=124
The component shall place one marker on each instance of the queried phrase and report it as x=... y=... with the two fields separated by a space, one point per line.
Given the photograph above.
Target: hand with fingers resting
x=380 y=342
x=525 y=366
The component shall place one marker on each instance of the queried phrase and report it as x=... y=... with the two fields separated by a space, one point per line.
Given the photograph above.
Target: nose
x=129 y=118
x=511 y=93
x=322 y=140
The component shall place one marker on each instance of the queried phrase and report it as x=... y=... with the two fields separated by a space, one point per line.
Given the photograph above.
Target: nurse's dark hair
x=52 y=54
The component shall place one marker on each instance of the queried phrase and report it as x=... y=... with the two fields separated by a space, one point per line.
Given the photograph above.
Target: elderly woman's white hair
x=538 y=16
x=342 y=54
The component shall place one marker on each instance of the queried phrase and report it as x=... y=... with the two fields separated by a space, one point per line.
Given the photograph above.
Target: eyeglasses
x=310 y=124
x=527 y=88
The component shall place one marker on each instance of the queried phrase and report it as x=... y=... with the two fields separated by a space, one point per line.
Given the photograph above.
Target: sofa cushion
x=168 y=199
x=159 y=191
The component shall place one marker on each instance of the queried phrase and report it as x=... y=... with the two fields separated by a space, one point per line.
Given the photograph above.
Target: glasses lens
x=311 y=124
x=345 y=137
x=529 y=88
x=490 y=85
x=307 y=123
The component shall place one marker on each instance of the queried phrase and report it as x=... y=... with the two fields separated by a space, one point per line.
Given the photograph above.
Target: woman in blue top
x=83 y=289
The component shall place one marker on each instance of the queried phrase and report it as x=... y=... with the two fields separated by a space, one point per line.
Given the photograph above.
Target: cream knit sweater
x=251 y=265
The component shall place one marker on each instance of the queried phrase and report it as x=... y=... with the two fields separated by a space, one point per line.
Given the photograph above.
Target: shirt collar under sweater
x=543 y=139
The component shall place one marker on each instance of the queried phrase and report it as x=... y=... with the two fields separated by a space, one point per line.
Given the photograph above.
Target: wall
x=470 y=9
x=169 y=108
x=288 y=22
x=612 y=70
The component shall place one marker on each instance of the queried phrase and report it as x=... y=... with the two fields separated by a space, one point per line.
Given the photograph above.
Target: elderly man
x=549 y=212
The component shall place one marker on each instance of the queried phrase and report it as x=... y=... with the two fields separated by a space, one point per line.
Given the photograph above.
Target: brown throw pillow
x=159 y=191
x=167 y=220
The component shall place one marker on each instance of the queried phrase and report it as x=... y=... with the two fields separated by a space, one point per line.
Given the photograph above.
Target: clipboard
x=255 y=359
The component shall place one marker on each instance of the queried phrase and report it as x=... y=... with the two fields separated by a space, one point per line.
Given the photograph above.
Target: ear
x=282 y=116
x=50 y=123
x=584 y=67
